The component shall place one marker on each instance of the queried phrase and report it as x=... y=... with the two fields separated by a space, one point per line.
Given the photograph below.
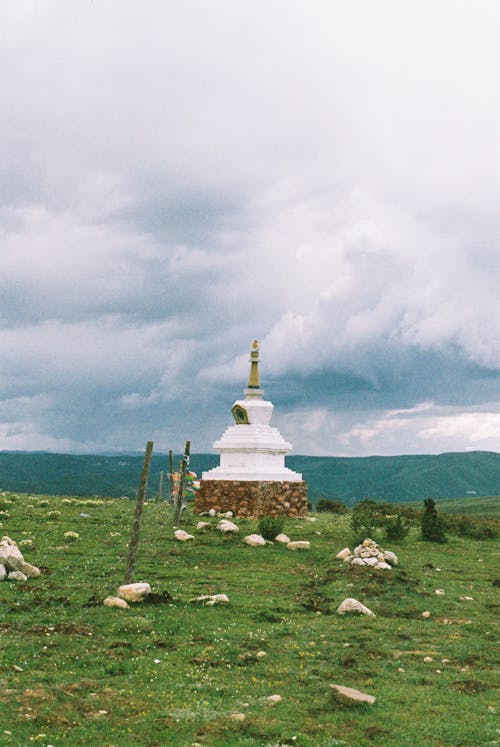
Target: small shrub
x=433 y=526
x=53 y=514
x=365 y=520
x=333 y=507
x=71 y=536
x=270 y=527
x=397 y=528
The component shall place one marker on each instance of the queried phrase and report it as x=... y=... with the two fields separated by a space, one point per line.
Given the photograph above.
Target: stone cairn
x=13 y=567
x=368 y=553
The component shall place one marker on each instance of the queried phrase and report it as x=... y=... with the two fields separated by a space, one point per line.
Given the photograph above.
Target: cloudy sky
x=178 y=178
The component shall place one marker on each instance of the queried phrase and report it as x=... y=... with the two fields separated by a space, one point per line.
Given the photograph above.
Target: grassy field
x=172 y=672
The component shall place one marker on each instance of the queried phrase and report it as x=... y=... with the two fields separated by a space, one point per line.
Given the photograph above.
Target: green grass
x=172 y=673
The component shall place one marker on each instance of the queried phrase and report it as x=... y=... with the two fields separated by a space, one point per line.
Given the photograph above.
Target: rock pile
x=370 y=554
x=13 y=567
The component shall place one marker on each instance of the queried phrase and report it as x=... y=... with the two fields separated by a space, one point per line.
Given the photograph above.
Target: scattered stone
x=440 y=592
x=274 y=698
x=182 y=536
x=201 y=525
x=237 y=716
x=260 y=654
x=212 y=512
x=428 y=659
x=349 y=694
x=225 y=526
x=466 y=599
x=343 y=554
x=357 y=561
x=30 y=570
x=134 y=592
x=211 y=599
x=17 y=576
x=426 y=614
x=390 y=557
x=352 y=606
x=10 y=555
x=299 y=545
x=13 y=567
x=115 y=602
x=254 y=540
x=311 y=518
x=228 y=514
x=17 y=668
x=383 y=566
x=284 y=538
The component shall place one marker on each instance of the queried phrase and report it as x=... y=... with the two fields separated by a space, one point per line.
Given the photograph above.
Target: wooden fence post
x=179 y=499
x=139 y=506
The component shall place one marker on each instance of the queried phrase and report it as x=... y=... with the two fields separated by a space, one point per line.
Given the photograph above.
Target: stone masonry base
x=252 y=498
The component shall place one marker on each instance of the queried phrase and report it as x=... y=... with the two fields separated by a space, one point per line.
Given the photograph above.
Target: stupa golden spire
x=253 y=379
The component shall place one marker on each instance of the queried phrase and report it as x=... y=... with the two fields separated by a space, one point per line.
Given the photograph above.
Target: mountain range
x=348 y=479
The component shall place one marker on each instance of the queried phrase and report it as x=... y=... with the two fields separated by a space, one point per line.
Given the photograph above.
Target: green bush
x=397 y=528
x=433 y=525
x=270 y=527
x=365 y=520
x=333 y=507
x=473 y=527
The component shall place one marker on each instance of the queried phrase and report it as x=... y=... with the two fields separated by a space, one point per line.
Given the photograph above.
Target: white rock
x=357 y=561
x=311 y=518
x=237 y=716
x=440 y=592
x=343 y=554
x=10 y=555
x=299 y=545
x=349 y=559
x=30 y=570
x=390 y=557
x=274 y=698
x=352 y=606
x=17 y=576
x=228 y=514
x=211 y=599
x=284 y=538
x=349 y=693
x=7 y=541
x=3 y=572
x=203 y=525
x=212 y=512
x=182 y=536
x=428 y=659
x=134 y=592
x=426 y=614
x=370 y=561
x=260 y=654
x=115 y=602
x=226 y=526
x=383 y=566
x=254 y=540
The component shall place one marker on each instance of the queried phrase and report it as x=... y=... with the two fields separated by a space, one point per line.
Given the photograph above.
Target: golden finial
x=253 y=379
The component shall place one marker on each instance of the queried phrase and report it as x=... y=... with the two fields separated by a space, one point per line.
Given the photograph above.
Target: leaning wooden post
x=160 y=487
x=171 y=474
x=180 y=492
x=139 y=506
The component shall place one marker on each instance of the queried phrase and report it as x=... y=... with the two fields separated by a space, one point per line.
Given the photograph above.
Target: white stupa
x=252 y=449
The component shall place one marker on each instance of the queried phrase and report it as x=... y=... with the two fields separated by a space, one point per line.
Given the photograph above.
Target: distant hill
x=394 y=479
